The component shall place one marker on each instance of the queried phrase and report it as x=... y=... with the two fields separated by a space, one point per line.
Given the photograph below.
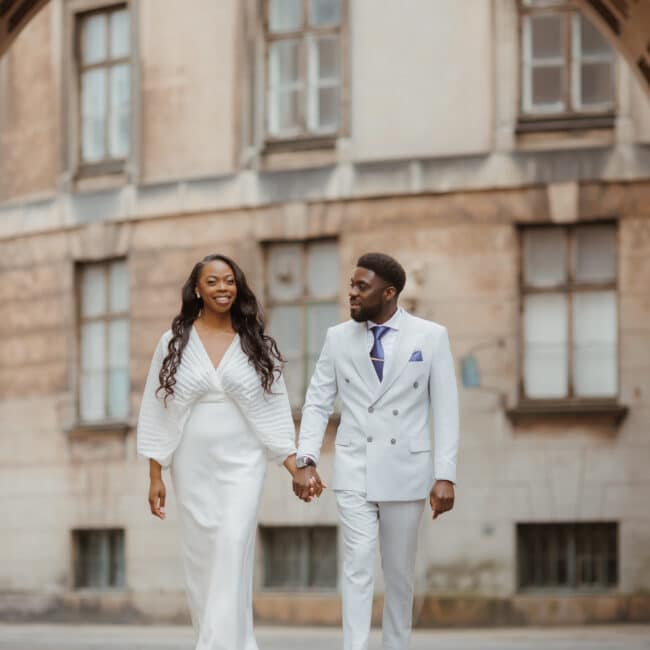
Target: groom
x=394 y=375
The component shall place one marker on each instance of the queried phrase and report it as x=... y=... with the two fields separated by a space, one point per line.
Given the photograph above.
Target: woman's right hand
x=157 y=494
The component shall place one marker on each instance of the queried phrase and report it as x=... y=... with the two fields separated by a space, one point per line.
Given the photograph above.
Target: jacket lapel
x=401 y=355
x=360 y=356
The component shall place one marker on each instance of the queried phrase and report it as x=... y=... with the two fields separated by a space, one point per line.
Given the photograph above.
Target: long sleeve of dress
x=157 y=433
x=268 y=414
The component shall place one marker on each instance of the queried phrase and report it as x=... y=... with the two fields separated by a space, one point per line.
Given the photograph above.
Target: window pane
x=285 y=95
x=93 y=39
x=319 y=318
x=323 y=270
x=327 y=58
x=119 y=279
x=93 y=346
x=547 y=36
x=120 y=111
x=117 y=577
x=323 y=562
x=285 y=116
x=118 y=343
x=595 y=344
x=91 y=395
x=547 y=87
x=596 y=84
x=285 y=15
x=592 y=42
x=596 y=258
x=286 y=327
x=93 y=114
x=328 y=109
x=96 y=558
x=324 y=12
x=120 y=38
x=545 y=335
x=545 y=257
x=285 y=272
x=118 y=362
x=93 y=290
x=92 y=380
x=118 y=393
x=285 y=62
x=285 y=557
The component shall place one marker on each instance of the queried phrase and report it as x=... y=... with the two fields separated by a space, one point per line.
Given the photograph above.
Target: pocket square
x=416 y=356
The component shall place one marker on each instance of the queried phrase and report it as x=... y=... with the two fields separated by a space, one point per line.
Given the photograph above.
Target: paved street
x=103 y=637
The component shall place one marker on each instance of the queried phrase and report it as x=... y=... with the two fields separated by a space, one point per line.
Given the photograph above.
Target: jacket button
x=393 y=441
x=369 y=438
x=371 y=409
x=395 y=412
x=415 y=385
x=347 y=381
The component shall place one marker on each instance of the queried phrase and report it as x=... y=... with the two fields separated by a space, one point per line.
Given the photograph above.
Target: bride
x=214 y=406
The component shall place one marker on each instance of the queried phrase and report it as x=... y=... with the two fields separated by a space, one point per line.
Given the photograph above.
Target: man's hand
x=307 y=484
x=441 y=497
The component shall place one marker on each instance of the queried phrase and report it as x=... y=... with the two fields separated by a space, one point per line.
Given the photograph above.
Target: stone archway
x=625 y=22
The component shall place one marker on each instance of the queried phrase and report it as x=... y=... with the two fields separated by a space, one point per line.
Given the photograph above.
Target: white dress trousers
x=395 y=524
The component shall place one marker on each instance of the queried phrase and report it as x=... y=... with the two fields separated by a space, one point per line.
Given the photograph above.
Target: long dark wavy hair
x=247 y=320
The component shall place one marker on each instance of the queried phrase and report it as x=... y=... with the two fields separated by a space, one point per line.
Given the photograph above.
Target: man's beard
x=366 y=313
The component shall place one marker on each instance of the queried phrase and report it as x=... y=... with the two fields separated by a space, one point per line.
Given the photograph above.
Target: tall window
x=98 y=558
x=570 y=312
x=567 y=65
x=304 y=67
x=299 y=557
x=104 y=51
x=104 y=345
x=574 y=556
x=302 y=296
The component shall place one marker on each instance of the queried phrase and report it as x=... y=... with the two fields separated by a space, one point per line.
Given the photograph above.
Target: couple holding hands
x=215 y=407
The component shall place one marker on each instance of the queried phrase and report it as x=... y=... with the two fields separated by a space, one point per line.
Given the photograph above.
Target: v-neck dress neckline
x=225 y=355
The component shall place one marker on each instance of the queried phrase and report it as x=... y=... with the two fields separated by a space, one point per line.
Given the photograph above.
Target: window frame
x=106 y=317
x=304 y=138
x=568 y=289
x=304 y=302
x=307 y=534
x=571 y=531
x=108 y=164
x=570 y=116
x=116 y=538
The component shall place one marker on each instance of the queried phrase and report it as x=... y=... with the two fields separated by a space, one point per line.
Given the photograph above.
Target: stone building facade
x=500 y=149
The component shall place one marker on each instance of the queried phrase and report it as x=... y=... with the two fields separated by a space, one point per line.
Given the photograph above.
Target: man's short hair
x=386 y=267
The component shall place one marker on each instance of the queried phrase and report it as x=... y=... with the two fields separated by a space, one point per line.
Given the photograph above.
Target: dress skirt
x=218 y=470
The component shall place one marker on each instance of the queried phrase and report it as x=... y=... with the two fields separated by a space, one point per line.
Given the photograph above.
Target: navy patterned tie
x=377 y=351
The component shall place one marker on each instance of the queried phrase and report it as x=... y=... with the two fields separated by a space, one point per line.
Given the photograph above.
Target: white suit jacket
x=384 y=439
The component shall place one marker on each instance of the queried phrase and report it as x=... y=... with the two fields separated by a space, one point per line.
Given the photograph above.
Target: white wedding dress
x=217 y=467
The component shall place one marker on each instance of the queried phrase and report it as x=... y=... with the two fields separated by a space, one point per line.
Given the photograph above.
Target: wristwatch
x=304 y=461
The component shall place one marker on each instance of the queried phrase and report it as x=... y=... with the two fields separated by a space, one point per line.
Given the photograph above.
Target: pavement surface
x=126 y=637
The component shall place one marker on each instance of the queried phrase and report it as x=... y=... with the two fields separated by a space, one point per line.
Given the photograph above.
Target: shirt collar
x=392 y=322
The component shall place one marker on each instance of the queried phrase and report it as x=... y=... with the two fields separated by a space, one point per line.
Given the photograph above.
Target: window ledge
x=530 y=410
x=100 y=428
x=301 y=143
x=585 y=122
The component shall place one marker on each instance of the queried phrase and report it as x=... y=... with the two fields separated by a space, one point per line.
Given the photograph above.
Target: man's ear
x=390 y=292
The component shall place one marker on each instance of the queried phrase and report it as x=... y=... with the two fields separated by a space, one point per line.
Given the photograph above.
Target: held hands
x=441 y=497
x=307 y=484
